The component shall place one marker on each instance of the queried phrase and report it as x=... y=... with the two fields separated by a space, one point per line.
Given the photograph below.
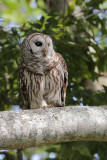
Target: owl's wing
x=65 y=78
x=23 y=87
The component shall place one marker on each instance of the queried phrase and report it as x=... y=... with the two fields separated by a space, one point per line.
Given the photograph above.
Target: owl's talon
x=48 y=106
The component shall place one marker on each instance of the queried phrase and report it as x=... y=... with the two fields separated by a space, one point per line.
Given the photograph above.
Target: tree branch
x=30 y=128
x=96 y=13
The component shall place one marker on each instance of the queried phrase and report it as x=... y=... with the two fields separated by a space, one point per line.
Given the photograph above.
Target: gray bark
x=30 y=128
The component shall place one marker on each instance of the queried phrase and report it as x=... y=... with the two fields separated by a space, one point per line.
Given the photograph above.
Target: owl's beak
x=45 y=51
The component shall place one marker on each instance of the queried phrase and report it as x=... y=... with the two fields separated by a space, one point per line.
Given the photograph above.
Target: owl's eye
x=38 y=43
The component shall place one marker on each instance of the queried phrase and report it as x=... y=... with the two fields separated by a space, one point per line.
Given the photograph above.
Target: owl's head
x=37 y=45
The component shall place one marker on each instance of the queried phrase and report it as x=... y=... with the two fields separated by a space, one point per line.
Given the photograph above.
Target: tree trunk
x=57 y=5
x=30 y=128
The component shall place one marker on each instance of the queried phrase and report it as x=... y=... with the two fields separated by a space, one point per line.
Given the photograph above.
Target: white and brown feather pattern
x=43 y=80
x=49 y=88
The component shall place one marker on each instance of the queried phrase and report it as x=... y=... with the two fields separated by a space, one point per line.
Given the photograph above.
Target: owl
x=43 y=73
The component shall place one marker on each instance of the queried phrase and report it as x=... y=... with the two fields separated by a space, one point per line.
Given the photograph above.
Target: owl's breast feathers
x=48 y=88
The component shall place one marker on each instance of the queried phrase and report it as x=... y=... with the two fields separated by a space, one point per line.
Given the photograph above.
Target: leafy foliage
x=80 y=36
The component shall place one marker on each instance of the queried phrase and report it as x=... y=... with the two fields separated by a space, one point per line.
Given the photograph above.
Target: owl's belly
x=44 y=90
x=52 y=90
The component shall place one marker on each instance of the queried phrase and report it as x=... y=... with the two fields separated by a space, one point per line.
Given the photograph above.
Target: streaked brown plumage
x=43 y=73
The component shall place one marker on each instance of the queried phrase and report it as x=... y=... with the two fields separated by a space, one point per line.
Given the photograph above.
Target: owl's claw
x=48 y=106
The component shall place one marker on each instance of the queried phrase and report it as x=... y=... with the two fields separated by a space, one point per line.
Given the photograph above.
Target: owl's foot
x=48 y=106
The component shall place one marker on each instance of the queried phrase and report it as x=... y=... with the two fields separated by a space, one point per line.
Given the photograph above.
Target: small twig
x=92 y=14
x=7 y=77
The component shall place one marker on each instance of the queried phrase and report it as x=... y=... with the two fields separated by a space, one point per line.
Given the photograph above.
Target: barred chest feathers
x=45 y=89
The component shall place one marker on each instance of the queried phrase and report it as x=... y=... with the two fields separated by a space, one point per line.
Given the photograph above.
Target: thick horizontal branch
x=30 y=128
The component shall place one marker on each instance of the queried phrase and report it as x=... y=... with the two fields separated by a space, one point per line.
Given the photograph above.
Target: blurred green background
x=79 y=32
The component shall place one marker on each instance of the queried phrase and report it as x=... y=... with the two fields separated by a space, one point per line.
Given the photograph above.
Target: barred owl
x=43 y=73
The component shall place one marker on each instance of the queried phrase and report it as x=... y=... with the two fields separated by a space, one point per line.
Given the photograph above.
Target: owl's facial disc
x=41 y=46
x=37 y=45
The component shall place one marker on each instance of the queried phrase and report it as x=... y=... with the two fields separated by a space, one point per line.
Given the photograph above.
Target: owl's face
x=38 y=46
